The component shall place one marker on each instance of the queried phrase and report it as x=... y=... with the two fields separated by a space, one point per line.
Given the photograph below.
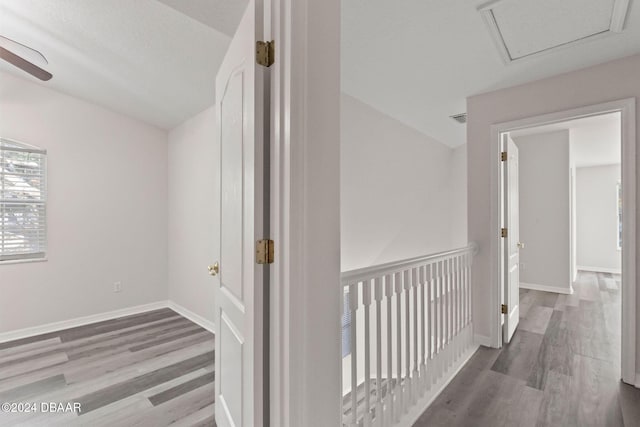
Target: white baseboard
x=600 y=269
x=195 y=318
x=79 y=321
x=546 y=288
x=482 y=340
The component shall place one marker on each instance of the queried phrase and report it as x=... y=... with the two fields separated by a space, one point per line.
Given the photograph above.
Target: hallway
x=562 y=367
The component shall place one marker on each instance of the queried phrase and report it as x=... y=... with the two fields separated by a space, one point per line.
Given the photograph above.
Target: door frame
x=627 y=108
x=305 y=291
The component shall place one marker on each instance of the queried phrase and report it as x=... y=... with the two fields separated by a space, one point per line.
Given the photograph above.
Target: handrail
x=360 y=274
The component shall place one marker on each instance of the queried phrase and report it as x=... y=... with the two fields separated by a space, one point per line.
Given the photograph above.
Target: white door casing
x=511 y=242
x=239 y=304
x=627 y=107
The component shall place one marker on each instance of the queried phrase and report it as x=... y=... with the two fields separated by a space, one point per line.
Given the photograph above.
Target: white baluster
x=353 y=305
x=407 y=338
x=414 y=377
x=399 y=385
x=441 y=308
x=468 y=285
x=430 y=322
x=456 y=304
x=423 y=313
x=388 y=287
x=378 y=298
x=366 y=302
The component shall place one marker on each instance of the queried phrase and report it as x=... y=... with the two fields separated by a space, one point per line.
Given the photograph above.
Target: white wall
x=396 y=186
x=590 y=86
x=107 y=209
x=458 y=194
x=597 y=218
x=545 y=210
x=194 y=212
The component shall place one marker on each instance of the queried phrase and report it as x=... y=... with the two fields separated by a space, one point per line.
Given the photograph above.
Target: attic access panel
x=523 y=28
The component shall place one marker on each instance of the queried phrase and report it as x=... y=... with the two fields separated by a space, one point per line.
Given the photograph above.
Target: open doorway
x=567 y=232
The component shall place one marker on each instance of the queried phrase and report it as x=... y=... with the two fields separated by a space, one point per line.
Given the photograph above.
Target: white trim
x=352 y=276
x=305 y=217
x=195 y=318
x=547 y=288
x=628 y=109
x=423 y=404
x=600 y=269
x=79 y=321
x=23 y=261
x=618 y=18
x=482 y=340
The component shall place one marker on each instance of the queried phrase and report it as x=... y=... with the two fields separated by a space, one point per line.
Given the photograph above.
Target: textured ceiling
x=141 y=58
x=417 y=60
x=156 y=60
x=222 y=15
x=528 y=27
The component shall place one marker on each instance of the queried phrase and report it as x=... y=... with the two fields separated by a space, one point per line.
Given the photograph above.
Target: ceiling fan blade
x=24 y=65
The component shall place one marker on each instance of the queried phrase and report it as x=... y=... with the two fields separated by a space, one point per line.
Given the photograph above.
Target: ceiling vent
x=524 y=28
x=460 y=118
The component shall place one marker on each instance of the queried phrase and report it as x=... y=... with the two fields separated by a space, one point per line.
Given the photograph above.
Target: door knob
x=520 y=245
x=214 y=269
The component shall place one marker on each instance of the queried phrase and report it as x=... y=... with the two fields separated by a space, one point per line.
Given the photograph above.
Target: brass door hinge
x=503 y=232
x=264 y=251
x=504 y=309
x=265 y=53
x=503 y=156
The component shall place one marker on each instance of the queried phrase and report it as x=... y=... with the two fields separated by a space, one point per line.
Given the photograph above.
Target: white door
x=239 y=304
x=511 y=242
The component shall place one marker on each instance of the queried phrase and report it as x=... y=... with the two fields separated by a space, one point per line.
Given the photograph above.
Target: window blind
x=23 y=201
x=346 y=326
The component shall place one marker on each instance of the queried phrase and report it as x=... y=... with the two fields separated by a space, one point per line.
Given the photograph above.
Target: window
x=619 y=215
x=23 y=201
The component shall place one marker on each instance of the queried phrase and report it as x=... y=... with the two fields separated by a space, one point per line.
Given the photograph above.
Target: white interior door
x=239 y=304
x=511 y=242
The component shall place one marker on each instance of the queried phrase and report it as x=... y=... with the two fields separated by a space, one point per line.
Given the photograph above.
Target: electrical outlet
x=117 y=286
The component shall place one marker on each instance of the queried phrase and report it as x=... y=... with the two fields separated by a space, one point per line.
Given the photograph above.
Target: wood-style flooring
x=561 y=369
x=151 y=369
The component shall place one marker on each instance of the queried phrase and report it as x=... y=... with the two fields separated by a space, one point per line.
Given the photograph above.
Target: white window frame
x=26 y=256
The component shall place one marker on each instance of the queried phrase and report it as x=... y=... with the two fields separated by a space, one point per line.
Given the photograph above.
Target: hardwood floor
x=150 y=369
x=562 y=367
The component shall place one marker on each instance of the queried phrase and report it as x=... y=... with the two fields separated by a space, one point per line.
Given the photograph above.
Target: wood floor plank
x=165 y=338
x=519 y=357
x=16 y=369
x=536 y=320
x=160 y=398
x=173 y=410
x=122 y=390
x=154 y=356
x=568 y=376
x=103 y=366
x=202 y=418
x=113 y=368
x=629 y=404
x=30 y=347
x=108 y=342
x=47 y=385
x=134 y=403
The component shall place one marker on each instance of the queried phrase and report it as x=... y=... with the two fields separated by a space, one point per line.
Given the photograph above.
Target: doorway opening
x=566 y=225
